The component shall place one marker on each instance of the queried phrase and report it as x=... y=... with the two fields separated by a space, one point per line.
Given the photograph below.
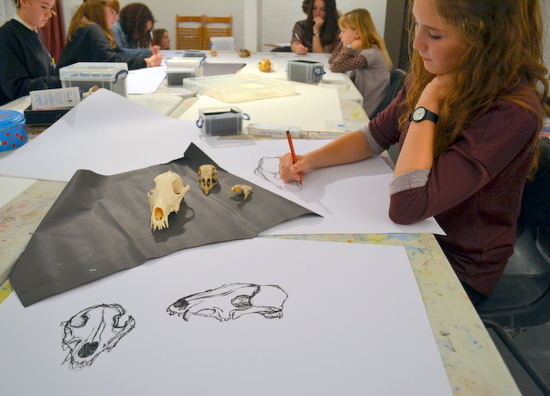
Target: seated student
x=132 y=31
x=90 y=38
x=468 y=135
x=161 y=38
x=363 y=51
x=25 y=64
x=319 y=32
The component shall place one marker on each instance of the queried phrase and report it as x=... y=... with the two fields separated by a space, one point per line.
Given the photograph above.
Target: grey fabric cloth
x=101 y=224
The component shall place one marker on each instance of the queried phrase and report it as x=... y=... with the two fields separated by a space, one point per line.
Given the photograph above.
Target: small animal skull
x=265 y=65
x=232 y=301
x=208 y=177
x=165 y=198
x=92 y=331
x=238 y=188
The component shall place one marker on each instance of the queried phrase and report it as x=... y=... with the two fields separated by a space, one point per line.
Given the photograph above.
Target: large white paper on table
x=310 y=109
x=352 y=198
x=327 y=319
x=109 y=134
x=146 y=80
x=105 y=133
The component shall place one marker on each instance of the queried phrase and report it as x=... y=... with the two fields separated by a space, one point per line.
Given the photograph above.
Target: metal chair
x=189 y=32
x=522 y=295
x=216 y=27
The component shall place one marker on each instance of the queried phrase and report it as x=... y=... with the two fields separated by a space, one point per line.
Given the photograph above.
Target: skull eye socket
x=242 y=301
x=79 y=321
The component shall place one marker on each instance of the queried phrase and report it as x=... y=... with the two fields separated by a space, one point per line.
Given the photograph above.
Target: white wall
x=278 y=16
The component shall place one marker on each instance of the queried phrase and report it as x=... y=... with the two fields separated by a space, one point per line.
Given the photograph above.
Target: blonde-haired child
x=363 y=52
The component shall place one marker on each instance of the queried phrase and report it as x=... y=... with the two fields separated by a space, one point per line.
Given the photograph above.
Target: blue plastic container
x=13 y=131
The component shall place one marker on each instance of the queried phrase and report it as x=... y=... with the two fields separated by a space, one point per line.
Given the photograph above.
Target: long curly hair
x=133 y=19
x=503 y=48
x=93 y=11
x=361 y=20
x=329 y=30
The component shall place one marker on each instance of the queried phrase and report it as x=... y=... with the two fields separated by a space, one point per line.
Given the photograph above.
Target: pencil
x=153 y=42
x=292 y=152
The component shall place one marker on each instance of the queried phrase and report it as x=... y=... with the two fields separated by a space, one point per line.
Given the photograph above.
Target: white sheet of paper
x=309 y=109
x=12 y=187
x=353 y=323
x=109 y=134
x=146 y=80
x=353 y=198
x=106 y=133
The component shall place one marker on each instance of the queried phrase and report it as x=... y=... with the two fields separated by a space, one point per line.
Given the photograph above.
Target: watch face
x=419 y=114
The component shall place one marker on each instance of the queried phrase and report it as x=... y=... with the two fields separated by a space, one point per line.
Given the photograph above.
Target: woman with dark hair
x=25 y=64
x=319 y=32
x=132 y=31
x=90 y=38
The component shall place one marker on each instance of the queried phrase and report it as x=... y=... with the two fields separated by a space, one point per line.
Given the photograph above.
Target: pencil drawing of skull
x=92 y=331
x=232 y=301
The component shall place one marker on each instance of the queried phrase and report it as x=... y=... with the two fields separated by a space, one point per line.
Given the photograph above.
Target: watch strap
x=428 y=115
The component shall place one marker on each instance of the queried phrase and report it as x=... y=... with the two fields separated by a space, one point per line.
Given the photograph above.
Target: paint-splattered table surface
x=472 y=362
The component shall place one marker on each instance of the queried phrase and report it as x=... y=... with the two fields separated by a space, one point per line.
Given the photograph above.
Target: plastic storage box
x=223 y=44
x=197 y=64
x=305 y=71
x=192 y=53
x=85 y=75
x=176 y=75
x=221 y=121
x=235 y=88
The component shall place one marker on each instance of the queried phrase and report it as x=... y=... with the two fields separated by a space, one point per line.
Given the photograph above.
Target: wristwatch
x=421 y=114
x=316 y=35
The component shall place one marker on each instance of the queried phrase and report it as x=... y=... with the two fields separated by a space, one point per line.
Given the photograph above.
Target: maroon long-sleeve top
x=473 y=189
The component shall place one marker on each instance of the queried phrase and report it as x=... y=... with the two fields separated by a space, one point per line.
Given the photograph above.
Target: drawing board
x=261 y=316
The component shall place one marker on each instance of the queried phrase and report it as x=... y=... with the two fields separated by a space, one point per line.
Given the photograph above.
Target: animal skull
x=208 y=177
x=265 y=65
x=165 y=198
x=232 y=301
x=92 y=331
x=238 y=188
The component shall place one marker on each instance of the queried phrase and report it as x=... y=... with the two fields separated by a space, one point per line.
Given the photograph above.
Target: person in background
x=162 y=39
x=90 y=38
x=133 y=31
x=363 y=52
x=468 y=134
x=319 y=32
x=25 y=64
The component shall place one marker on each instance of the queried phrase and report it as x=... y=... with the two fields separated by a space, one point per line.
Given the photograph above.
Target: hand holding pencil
x=292 y=166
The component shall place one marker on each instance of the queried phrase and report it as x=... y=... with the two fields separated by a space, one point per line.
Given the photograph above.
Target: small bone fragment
x=238 y=188
x=244 y=53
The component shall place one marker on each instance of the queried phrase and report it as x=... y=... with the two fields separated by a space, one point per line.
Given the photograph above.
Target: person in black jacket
x=90 y=38
x=25 y=64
